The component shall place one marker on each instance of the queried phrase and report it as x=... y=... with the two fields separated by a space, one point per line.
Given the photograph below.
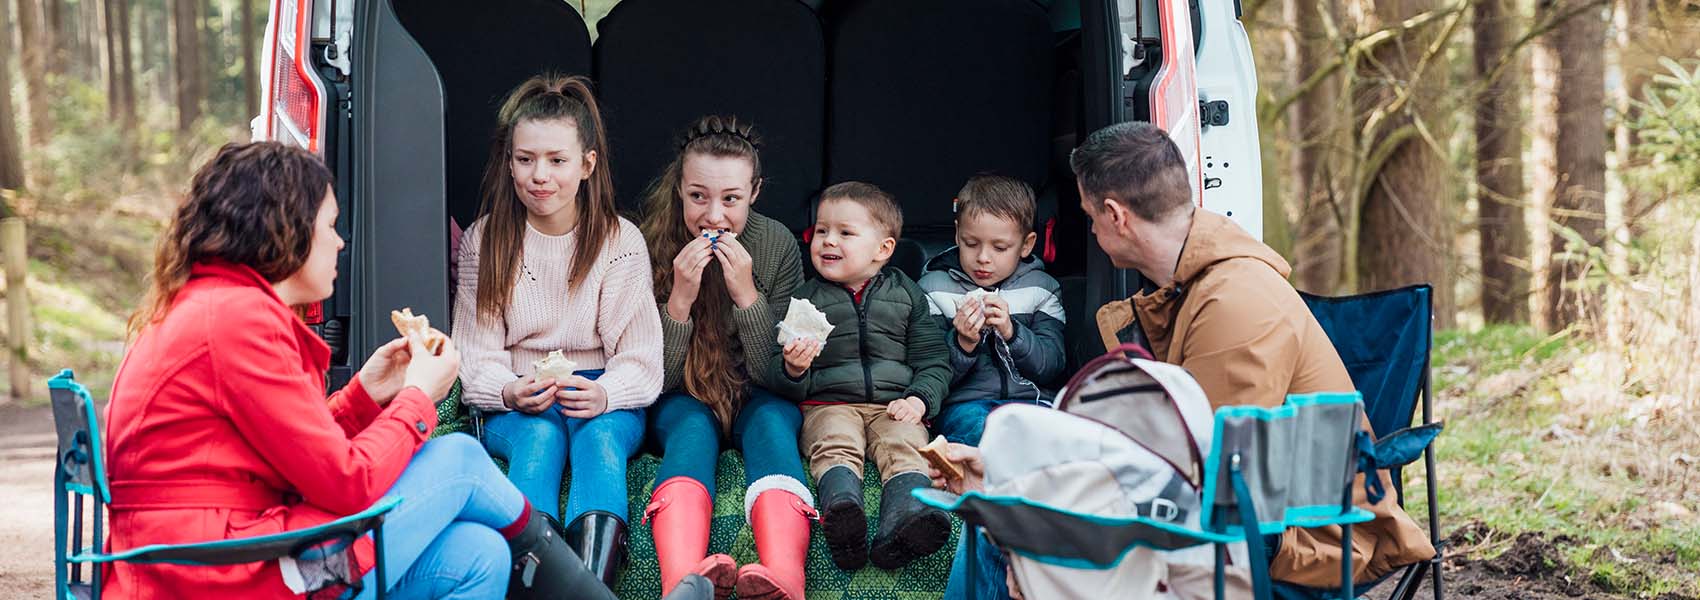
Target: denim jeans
x=988 y=563
x=539 y=447
x=964 y=422
x=442 y=540
x=687 y=436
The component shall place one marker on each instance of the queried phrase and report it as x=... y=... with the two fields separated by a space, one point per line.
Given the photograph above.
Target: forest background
x=1538 y=161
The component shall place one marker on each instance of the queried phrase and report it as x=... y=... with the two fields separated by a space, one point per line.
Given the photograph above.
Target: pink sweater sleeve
x=629 y=324
x=485 y=361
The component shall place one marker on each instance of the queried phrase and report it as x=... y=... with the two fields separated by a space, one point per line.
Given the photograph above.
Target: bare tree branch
x=1355 y=49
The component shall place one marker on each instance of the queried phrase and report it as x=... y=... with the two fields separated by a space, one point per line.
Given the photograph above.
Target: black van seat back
x=661 y=64
x=481 y=54
x=913 y=110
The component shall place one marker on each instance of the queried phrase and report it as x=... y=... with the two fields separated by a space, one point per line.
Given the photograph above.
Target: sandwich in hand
x=934 y=453
x=418 y=328
x=554 y=366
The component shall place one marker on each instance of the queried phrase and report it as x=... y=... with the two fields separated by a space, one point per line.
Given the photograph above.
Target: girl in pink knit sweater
x=549 y=266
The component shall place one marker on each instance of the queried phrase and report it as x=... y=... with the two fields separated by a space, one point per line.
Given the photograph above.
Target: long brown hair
x=547 y=97
x=709 y=375
x=252 y=204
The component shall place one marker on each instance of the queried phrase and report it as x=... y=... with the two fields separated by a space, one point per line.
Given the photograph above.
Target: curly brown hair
x=709 y=375
x=253 y=204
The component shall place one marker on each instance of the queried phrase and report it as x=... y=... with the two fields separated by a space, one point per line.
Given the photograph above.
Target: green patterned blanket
x=924 y=579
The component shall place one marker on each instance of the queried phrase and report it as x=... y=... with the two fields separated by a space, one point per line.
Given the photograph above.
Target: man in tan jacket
x=1218 y=303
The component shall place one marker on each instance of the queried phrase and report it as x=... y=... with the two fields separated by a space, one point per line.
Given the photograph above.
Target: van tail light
x=1174 y=93
x=293 y=109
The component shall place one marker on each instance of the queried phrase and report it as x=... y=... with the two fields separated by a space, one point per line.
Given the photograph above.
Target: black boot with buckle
x=545 y=568
x=600 y=537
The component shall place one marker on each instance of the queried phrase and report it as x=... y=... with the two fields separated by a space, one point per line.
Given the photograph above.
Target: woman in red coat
x=219 y=426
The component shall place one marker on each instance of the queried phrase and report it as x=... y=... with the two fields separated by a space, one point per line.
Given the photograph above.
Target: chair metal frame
x=83 y=453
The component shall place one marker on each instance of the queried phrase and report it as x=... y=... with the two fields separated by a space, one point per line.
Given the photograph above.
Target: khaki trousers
x=842 y=434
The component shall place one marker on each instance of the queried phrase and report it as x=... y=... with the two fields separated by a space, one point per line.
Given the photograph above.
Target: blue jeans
x=442 y=540
x=538 y=448
x=963 y=422
x=988 y=563
x=688 y=436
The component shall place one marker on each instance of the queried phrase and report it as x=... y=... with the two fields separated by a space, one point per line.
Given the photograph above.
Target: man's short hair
x=880 y=204
x=1137 y=164
x=998 y=196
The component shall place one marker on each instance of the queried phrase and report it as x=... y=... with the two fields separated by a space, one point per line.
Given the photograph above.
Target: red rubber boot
x=779 y=521
x=678 y=514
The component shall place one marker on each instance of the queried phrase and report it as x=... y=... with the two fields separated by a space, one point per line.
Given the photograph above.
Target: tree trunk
x=53 y=34
x=92 y=38
x=126 y=67
x=1579 y=190
x=1315 y=130
x=11 y=159
x=32 y=36
x=1636 y=60
x=1543 y=165
x=1499 y=170
x=114 y=63
x=1403 y=235
x=250 y=58
x=185 y=35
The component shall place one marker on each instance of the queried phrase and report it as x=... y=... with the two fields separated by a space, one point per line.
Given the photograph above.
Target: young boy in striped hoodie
x=1002 y=313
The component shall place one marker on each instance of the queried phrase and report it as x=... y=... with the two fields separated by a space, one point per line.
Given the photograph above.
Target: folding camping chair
x=1267 y=469
x=81 y=471
x=1385 y=338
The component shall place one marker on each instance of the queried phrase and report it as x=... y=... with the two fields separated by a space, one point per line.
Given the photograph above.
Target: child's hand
x=735 y=266
x=581 y=398
x=799 y=354
x=997 y=317
x=529 y=394
x=970 y=319
x=907 y=410
x=687 y=277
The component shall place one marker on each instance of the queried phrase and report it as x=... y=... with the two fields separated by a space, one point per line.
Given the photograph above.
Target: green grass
x=1502 y=464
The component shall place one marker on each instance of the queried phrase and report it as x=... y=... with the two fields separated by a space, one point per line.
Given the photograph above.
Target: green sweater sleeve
x=782 y=269
x=926 y=353
x=675 y=340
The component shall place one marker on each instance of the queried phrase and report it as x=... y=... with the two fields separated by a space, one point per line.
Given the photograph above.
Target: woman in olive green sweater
x=722 y=272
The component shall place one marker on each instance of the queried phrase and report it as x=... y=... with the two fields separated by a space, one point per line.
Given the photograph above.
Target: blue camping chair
x=1268 y=469
x=81 y=472
x=1385 y=338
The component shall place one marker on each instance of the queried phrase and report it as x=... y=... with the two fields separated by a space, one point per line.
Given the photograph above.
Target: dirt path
x=26 y=513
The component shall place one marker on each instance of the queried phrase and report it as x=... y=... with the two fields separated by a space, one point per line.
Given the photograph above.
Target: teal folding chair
x=81 y=473
x=1267 y=470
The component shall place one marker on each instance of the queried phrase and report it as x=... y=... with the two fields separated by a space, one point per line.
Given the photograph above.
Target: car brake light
x=294 y=110
x=1174 y=94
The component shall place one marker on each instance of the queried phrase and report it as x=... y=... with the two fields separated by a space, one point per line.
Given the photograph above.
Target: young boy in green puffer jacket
x=883 y=369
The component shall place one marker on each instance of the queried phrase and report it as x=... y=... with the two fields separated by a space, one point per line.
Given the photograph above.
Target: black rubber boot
x=908 y=529
x=545 y=568
x=600 y=537
x=692 y=587
x=842 y=518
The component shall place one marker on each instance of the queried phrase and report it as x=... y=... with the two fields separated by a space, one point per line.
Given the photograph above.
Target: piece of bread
x=418 y=327
x=934 y=453
x=555 y=366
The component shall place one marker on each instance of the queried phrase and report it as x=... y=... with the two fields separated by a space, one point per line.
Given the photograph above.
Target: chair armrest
x=251 y=549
